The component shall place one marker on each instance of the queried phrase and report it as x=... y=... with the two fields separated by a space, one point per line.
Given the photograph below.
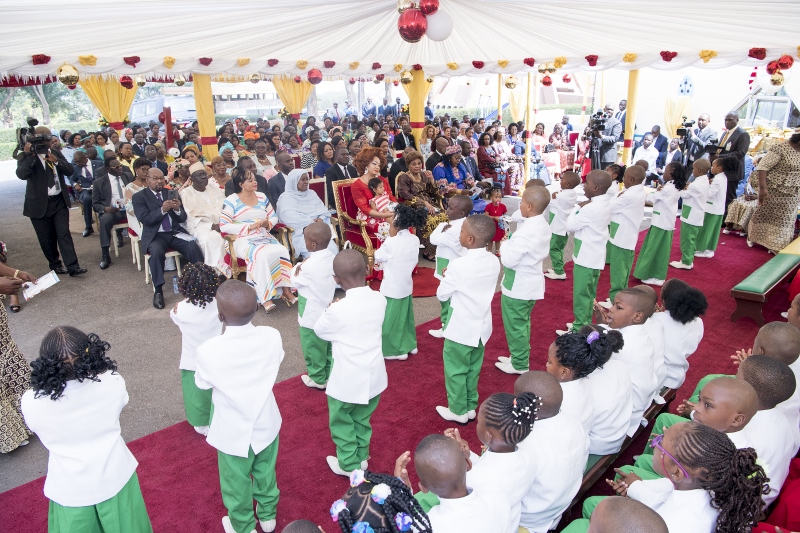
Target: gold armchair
x=350 y=227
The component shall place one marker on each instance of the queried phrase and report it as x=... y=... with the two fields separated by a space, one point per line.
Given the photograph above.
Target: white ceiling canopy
x=356 y=34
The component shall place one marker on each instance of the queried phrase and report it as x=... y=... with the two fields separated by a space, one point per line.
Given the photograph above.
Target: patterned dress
x=15 y=378
x=414 y=193
x=268 y=263
x=772 y=224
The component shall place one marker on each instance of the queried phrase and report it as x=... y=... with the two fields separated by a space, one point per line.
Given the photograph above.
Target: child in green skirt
x=721 y=168
x=692 y=214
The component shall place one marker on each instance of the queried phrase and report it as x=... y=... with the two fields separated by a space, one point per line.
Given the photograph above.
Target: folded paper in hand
x=29 y=290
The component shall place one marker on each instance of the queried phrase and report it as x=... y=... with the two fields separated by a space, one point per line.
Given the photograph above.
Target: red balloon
x=546 y=81
x=162 y=117
x=126 y=82
x=314 y=76
x=429 y=7
x=412 y=25
x=773 y=67
x=567 y=78
x=298 y=79
x=352 y=81
x=395 y=83
x=785 y=62
x=379 y=77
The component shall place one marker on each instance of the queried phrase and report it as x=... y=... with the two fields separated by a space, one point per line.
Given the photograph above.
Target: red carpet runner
x=178 y=470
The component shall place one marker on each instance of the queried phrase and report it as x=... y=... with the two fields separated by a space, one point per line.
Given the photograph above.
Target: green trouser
x=317 y=354
x=702 y=383
x=709 y=236
x=653 y=260
x=351 y=431
x=689 y=235
x=196 y=401
x=621 y=263
x=399 y=333
x=517 y=323
x=557 y=245
x=427 y=500
x=664 y=420
x=584 y=291
x=124 y=512
x=445 y=313
x=589 y=504
x=239 y=490
x=581 y=525
x=462 y=368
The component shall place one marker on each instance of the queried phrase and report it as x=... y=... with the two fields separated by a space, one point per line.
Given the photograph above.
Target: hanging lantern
x=412 y=25
x=777 y=79
x=395 y=83
x=546 y=81
x=567 y=78
x=402 y=5
x=406 y=77
x=773 y=67
x=511 y=82
x=440 y=26
x=428 y=7
x=429 y=79
x=352 y=81
x=542 y=68
x=255 y=78
x=379 y=77
x=140 y=81
x=550 y=68
x=68 y=75
x=785 y=62
x=126 y=81
x=298 y=79
x=179 y=80
x=314 y=76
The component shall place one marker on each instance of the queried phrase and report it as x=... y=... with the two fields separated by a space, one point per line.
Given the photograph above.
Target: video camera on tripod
x=597 y=122
x=40 y=142
x=685 y=128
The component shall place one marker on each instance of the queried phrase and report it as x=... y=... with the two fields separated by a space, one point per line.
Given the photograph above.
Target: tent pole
x=204 y=103
x=528 y=127
x=500 y=98
x=630 y=118
x=416 y=91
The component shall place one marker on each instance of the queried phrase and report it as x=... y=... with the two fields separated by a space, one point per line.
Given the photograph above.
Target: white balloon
x=440 y=25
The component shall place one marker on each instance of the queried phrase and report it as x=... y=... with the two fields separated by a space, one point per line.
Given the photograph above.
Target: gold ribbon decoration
x=706 y=55
x=89 y=60
x=452 y=66
x=242 y=61
x=398 y=67
x=354 y=65
x=629 y=57
x=560 y=61
x=502 y=62
x=169 y=61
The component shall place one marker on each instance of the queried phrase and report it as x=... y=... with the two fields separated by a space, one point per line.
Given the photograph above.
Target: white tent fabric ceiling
x=365 y=32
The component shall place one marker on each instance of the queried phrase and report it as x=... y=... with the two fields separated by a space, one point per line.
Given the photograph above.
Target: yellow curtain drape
x=630 y=115
x=417 y=91
x=109 y=97
x=206 y=121
x=293 y=95
x=515 y=100
x=675 y=108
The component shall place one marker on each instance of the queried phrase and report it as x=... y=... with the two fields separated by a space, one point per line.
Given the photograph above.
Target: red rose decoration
x=40 y=59
x=757 y=53
x=477 y=64
x=592 y=60
x=785 y=62
x=131 y=60
x=417 y=67
x=126 y=82
x=668 y=56
x=352 y=81
x=298 y=79
x=529 y=61
x=773 y=67
x=376 y=66
x=379 y=77
x=329 y=64
x=205 y=61
x=546 y=81
x=314 y=76
x=272 y=62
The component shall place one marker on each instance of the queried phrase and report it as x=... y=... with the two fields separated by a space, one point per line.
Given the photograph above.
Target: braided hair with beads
x=198 y=284
x=732 y=477
x=512 y=415
x=67 y=353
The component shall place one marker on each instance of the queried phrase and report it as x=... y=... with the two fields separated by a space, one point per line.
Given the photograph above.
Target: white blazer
x=683 y=342
x=522 y=256
x=612 y=395
x=590 y=224
x=775 y=440
x=241 y=366
x=638 y=355
x=197 y=325
x=684 y=511
x=627 y=213
x=354 y=326
x=694 y=197
x=315 y=286
x=577 y=403
x=560 y=208
x=512 y=473
x=88 y=462
x=481 y=511
x=717 y=190
x=469 y=284
x=399 y=256
x=791 y=407
x=665 y=205
x=655 y=331
x=448 y=245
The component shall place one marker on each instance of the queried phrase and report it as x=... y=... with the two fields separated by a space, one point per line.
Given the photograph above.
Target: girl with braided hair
x=198 y=319
x=378 y=503
x=708 y=484
x=73 y=405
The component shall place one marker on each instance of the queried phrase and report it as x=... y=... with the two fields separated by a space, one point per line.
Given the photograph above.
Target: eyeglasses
x=656 y=443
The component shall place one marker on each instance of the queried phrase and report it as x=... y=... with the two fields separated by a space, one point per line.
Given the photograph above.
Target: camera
x=712 y=146
x=683 y=130
x=40 y=143
x=597 y=122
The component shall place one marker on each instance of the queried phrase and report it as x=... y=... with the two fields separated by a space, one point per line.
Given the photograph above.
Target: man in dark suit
x=277 y=183
x=661 y=143
x=428 y=111
x=470 y=162
x=440 y=144
x=397 y=108
x=47 y=203
x=108 y=200
x=384 y=109
x=621 y=116
x=735 y=141
x=340 y=170
x=699 y=137
x=151 y=154
x=246 y=163
x=160 y=214
x=84 y=173
x=138 y=145
x=368 y=109
x=398 y=166
x=404 y=139
x=609 y=138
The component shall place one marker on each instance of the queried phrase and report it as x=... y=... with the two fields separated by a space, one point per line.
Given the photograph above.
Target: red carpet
x=425 y=284
x=178 y=472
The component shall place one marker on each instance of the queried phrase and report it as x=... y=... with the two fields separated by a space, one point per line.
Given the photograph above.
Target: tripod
x=595 y=153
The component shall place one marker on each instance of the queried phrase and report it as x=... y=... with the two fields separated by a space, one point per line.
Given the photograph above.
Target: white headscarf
x=298 y=209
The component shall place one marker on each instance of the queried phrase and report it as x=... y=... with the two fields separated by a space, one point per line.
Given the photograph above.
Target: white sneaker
x=308 y=382
x=653 y=281
x=415 y=351
x=700 y=253
x=569 y=325
x=561 y=332
x=605 y=305
x=447 y=414
x=709 y=254
x=742 y=234
x=726 y=231
x=436 y=333
x=472 y=414
x=749 y=243
x=333 y=463
x=268 y=526
x=504 y=359
x=508 y=368
x=26 y=442
x=678 y=264
x=785 y=314
x=203 y=430
x=396 y=357
x=551 y=274
x=364 y=464
x=228 y=527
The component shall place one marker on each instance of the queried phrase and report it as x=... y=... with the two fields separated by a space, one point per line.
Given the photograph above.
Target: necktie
x=166 y=223
x=86 y=173
x=724 y=140
x=50 y=168
x=119 y=189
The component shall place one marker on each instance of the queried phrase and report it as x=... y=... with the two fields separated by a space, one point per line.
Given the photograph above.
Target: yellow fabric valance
x=293 y=95
x=109 y=97
x=417 y=91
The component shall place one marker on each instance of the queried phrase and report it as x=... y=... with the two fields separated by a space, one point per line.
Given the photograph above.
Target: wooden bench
x=752 y=292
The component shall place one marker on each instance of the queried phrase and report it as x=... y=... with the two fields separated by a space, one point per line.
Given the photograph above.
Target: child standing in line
x=469 y=283
x=74 y=407
x=399 y=255
x=693 y=213
x=240 y=367
x=523 y=282
x=562 y=204
x=358 y=376
x=627 y=213
x=313 y=279
x=198 y=320
x=446 y=238
x=589 y=220
x=651 y=266
x=496 y=209
x=721 y=168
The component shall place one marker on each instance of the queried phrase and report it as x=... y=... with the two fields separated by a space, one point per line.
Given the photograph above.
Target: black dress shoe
x=105 y=263
x=120 y=241
x=78 y=271
x=87 y=232
x=158 y=300
x=61 y=270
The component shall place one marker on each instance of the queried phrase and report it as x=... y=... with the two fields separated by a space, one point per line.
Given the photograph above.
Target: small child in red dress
x=496 y=209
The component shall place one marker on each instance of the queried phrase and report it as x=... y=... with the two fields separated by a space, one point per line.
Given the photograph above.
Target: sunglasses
x=656 y=443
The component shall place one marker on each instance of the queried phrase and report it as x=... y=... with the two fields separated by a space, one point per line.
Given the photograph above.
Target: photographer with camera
x=605 y=130
x=699 y=137
x=46 y=196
